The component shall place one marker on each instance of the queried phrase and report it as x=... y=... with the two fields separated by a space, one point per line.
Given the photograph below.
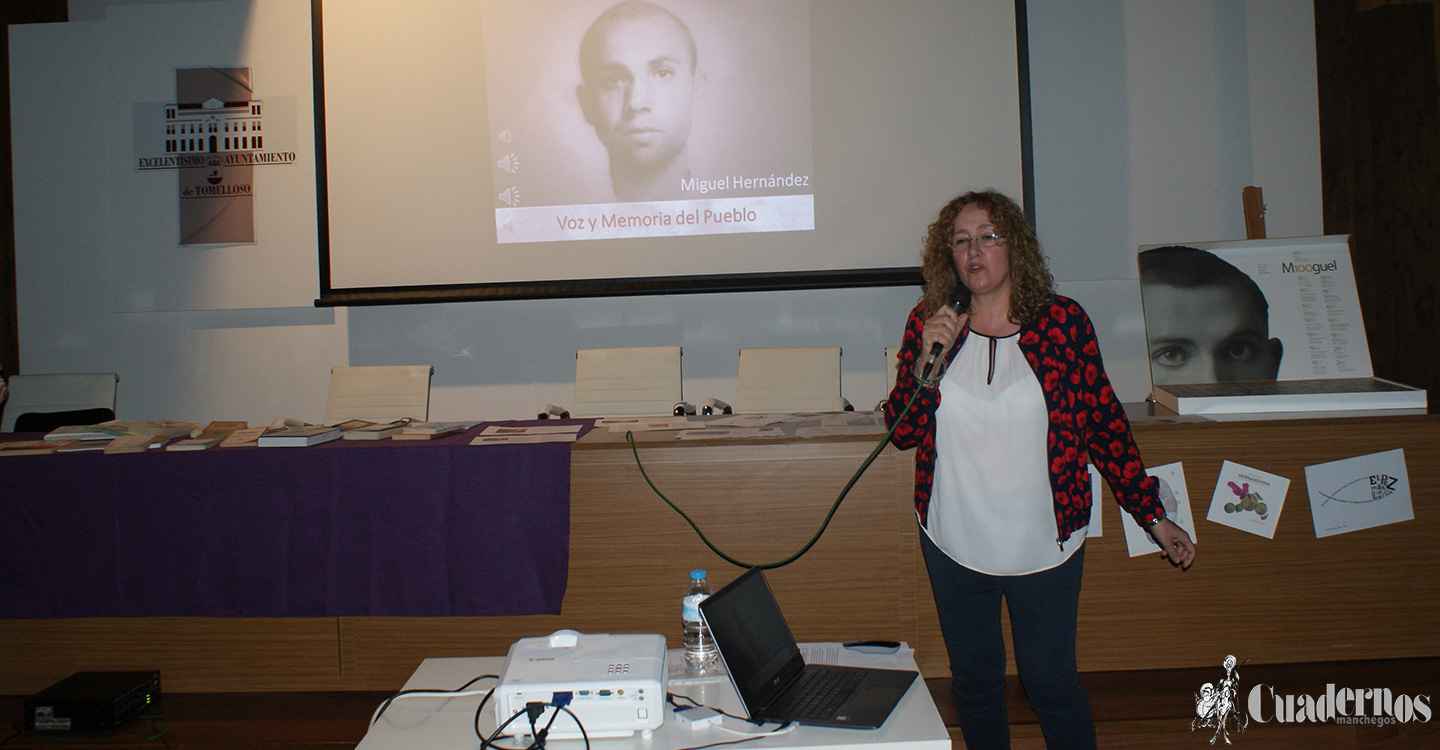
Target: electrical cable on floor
x=160 y=732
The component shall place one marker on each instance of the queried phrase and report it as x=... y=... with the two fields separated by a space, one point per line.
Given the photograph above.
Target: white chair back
x=51 y=392
x=892 y=367
x=788 y=379
x=381 y=393
x=639 y=381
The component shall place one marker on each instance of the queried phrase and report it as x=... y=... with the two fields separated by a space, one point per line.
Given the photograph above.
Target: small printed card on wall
x=1174 y=497
x=1248 y=499
x=1359 y=493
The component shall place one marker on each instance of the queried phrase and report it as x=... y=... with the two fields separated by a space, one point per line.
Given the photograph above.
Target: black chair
x=45 y=421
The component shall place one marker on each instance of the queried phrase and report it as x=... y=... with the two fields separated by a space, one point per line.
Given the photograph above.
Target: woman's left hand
x=1175 y=544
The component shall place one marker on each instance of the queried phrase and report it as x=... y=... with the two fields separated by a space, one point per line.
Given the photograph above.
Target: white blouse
x=991 y=505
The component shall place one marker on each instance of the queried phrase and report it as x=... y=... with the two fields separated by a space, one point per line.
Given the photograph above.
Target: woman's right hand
x=942 y=328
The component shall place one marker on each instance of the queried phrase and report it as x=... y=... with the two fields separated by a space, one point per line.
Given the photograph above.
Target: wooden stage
x=1365 y=596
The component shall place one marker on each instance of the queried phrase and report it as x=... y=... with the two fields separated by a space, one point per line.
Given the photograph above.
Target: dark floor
x=1153 y=709
x=1150 y=709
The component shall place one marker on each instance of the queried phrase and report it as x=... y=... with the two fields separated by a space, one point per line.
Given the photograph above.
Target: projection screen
x=531 y=148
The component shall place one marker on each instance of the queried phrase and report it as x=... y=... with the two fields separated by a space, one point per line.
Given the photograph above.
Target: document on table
x=647 y=424
x=727 y=432
x=503 y=434
x=843 y=423
x=748 y=420
x=823 y=431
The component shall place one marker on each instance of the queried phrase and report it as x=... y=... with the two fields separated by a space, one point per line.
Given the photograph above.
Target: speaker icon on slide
x=511 y=196
x=506 y=135
x=510 y=163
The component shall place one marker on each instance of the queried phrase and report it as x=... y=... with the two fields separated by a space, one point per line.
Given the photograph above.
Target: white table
x=448 y=722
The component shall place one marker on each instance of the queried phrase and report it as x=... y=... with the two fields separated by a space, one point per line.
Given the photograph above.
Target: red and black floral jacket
x=1086 y=418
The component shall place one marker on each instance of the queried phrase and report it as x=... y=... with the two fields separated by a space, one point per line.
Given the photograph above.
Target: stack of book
x=290 y=436
x=121 y=436
x=375 y=430
x=32 y=447
x=1317 y=395
x=428 y=430
x=212 y=435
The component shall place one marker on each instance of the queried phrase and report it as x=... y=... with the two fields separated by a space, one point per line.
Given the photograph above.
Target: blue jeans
x=1043 y=610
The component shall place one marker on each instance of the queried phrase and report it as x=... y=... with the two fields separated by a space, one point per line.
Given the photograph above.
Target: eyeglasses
x=963 y=244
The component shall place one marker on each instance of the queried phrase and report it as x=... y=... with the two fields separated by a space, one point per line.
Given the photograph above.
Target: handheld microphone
x=959 y=301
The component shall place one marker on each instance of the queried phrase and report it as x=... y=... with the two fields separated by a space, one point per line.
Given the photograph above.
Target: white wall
x=1149 y=117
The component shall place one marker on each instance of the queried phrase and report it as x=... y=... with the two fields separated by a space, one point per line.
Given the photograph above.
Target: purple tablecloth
x=345 y=528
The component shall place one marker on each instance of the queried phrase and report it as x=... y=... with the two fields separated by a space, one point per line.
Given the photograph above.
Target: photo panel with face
x=634 y=118
x=467 y=154
x=1253 y=310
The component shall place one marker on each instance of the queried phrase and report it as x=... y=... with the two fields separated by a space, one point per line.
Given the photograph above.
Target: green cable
x=158 y=732
x=835 y=507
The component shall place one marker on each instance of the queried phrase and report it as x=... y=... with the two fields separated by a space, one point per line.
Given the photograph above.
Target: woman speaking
x=1013 y=401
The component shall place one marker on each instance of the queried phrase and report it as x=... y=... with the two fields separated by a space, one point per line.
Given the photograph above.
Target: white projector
x=615 y=684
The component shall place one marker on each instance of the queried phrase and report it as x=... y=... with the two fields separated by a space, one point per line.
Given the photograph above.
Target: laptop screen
x=756 y=644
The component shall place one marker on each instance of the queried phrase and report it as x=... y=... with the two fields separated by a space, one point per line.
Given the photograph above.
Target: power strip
x=696 y=717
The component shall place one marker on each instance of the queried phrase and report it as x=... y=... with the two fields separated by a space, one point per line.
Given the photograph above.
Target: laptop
x=773 y=680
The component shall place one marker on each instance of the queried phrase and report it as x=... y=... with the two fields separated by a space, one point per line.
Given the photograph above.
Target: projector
x=614 y=684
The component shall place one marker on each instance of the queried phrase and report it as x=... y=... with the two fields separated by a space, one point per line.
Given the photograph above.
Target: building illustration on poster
x=213 y=134
x=239 y=121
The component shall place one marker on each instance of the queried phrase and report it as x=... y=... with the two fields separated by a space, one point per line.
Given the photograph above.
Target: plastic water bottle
x=700 y=650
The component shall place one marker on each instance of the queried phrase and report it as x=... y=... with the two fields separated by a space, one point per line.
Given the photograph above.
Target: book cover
x=168 y=428
x=245 y=437
x=134 y=443
x=374 y=431
x=428 y=430
x=1224 y=320
x=104 y=431
x=291 y=437
x=352 y=424
x=85 y=446
x=32 y=447
x=1331 y=394
x=1248 y=499
x=1175 y=498
x=1361 y=492
x=212 y=435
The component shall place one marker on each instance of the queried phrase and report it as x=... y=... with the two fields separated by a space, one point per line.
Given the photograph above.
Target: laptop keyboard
x=819 y=694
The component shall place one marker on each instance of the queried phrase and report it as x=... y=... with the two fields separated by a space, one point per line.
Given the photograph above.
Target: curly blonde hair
x=1032 y=285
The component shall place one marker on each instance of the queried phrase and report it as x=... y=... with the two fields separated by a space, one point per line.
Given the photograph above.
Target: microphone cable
x=834 y=507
